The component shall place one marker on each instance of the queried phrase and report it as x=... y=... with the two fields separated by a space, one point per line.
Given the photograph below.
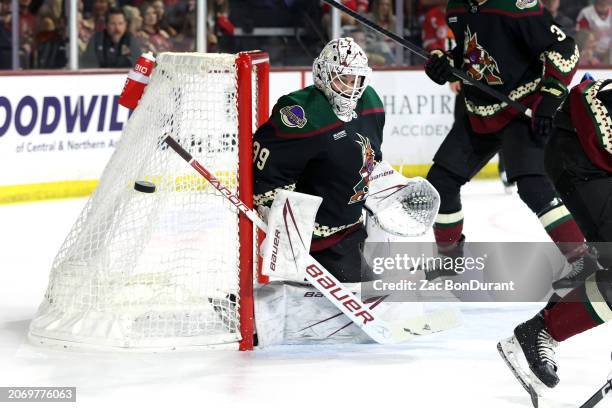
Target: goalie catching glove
x=401 y=206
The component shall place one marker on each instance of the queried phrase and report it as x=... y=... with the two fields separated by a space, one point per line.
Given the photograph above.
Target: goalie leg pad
x=296 y=313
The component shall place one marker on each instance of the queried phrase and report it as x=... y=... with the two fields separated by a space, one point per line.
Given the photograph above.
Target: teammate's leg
x=461 y=155
x=587 y=192
x=525 y=165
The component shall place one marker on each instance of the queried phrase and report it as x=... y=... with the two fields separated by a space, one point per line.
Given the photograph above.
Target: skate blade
x=509 y=351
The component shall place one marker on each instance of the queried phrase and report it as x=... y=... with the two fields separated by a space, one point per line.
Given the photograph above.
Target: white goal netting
x=158 y=269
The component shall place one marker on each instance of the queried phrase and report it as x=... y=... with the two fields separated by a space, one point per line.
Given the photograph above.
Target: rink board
x=57 y=132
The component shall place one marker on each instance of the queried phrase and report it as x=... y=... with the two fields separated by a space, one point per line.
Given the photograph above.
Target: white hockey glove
x=289 y=211
x=401 y=206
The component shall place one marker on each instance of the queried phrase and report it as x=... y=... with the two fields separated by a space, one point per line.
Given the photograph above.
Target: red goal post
x=246 y=63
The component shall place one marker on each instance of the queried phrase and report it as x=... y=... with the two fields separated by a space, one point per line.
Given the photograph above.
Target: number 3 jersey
x=306 y=148
x=515 y=47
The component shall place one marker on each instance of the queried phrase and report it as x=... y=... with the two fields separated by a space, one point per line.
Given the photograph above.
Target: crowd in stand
x=112 y=33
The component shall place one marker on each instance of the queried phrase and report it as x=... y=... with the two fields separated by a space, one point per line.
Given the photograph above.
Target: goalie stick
x=381 y=331
x=425 y=55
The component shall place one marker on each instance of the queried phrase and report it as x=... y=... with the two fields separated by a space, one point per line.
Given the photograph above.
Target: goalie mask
x=341 y=72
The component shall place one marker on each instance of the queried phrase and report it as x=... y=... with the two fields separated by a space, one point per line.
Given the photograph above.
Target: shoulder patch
x=303 y=113
x=525 y=4
x=293 y=116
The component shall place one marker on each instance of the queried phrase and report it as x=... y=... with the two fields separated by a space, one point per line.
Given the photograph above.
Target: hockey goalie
x=317 y=170
x=161 y=259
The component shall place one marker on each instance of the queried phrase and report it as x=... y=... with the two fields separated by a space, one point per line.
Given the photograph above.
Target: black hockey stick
x=599 y=395
x=425 y=55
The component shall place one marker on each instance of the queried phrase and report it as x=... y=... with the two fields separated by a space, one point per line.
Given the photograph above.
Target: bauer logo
x=293 y=116
x=327 y=284
x=523 y=4
x=340 y=135
x=275 y=245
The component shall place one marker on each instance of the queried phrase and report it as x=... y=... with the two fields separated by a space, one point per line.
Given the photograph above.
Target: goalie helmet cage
x=172 y=268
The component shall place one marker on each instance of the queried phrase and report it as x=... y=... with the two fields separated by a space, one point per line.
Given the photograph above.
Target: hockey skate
x=509 y=187
x=580 y=270
x=538 y=370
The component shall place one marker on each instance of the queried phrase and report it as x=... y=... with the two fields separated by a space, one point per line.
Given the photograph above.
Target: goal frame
x=245 y=62
x=250 y=93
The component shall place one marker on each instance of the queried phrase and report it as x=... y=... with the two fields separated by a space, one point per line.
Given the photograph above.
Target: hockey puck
x=144 y=186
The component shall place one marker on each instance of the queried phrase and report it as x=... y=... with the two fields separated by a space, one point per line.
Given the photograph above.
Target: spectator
x=421 y=7
x=5 y=37
x=54 y=10
x=382 y=14
x=155 y=39
x=436 y=34
x=5 y=14
x=571 y=8
x=598 y=19
x=85 y=28
x=184 y=41
x=360 y=6
x=99 y=11
x=134 y=19
x=160 y=10
x=50 y=50
x=27 y=25
x=378 y=53
x=585 y=40
x=414 y=16
x=114 y=47
x=563 y=20
x=218 y=16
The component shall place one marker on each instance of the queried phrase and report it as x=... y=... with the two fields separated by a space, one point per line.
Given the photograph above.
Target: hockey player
x=324 y=140
x=517 y=48
x=579 y=162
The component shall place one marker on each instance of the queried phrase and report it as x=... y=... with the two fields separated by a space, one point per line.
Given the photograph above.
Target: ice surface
x=458 y=368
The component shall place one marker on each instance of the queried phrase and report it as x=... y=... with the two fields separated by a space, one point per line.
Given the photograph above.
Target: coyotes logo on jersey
x=478 y=62
x=362 y=187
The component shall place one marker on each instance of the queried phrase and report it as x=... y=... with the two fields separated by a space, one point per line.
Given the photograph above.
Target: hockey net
x=172 y=268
